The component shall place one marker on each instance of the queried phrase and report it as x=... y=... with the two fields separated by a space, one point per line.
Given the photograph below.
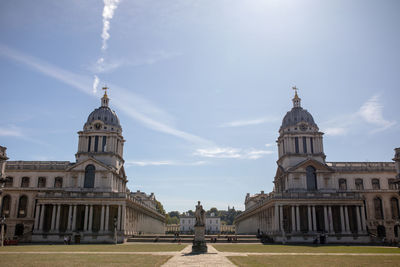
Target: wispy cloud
x=369 y=115
x=108 y=12
x=145 y=163
x=231 y=153
x=11 y=131
x=240 y=123
x=132 y=104
x=95 y=84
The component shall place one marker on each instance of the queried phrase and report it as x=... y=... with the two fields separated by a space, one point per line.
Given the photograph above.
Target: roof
x=296 y=115
x=104 y=114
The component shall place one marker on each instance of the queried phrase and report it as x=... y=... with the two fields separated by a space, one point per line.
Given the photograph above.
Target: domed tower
x=299 y=137
x=101 y=137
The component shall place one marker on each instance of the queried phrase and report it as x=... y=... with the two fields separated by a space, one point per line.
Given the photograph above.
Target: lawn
x=97 y=248
x=303 y=249
x=15 y=260
x=308 y=261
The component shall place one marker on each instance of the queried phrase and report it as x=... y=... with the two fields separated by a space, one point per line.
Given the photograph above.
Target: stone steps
x=189 y=239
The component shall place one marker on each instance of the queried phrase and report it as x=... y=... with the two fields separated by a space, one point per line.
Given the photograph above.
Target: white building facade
x=43 y=201
x=349 y=202
x=213 y=224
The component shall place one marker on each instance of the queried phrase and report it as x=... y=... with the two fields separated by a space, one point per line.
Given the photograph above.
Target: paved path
x=211 y=258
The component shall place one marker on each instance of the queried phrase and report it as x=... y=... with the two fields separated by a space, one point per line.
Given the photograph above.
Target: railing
x=37 y=165
x=366 y=166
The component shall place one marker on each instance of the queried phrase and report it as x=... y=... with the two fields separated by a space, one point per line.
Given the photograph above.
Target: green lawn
x=97 y=248
x=301 y=248
x=308 y=261
x=15 y=260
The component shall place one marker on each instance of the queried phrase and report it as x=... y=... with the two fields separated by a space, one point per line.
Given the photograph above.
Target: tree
x=159 y=207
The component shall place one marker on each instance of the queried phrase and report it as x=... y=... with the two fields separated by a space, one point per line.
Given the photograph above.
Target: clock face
x=97 y=126
x=303 y=127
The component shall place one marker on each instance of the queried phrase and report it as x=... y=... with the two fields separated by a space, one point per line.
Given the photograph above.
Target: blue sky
x=200 y=87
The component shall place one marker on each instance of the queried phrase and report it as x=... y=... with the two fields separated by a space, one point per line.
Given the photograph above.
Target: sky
x=200 y=86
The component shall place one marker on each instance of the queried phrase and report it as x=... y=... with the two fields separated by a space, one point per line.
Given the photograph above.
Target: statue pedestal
x=199 y=242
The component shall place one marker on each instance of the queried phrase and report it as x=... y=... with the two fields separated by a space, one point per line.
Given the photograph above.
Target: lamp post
x=115 y=231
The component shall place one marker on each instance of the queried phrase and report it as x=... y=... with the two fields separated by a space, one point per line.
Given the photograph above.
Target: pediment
x=301 y=167
x=82 y=165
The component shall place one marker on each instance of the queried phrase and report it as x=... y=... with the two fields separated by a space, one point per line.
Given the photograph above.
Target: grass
x=303 y=249
x=96 y=248
x=15 y=260
x=311 y=261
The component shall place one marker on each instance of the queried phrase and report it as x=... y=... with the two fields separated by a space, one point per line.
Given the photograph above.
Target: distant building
x=213 y=224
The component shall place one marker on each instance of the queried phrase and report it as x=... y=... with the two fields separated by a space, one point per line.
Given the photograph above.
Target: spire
x=296 y=99
x=105 y=99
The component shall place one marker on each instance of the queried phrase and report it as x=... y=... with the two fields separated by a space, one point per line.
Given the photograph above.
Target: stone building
x=43 y=201
x=213 y=224
x=349 y=202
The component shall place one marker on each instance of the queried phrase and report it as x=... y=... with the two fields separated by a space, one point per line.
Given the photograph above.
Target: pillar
x=359 y=229
x=123 y=218
x=102 y=218
x=73 y=226
x=293 y=217
x=58 y=217
x=276 y=219
x=53 y=218
x=326 y=219
x=298 y=217
x=41 y=222
x=69 y=217
x=90 y=218
x=330 y=218
x=314 y=219
x=86 y=218
x=107 y=217
x=363 y=222
x=310 y=228
x=37 y=216
x=281 y=217
x=119 y=218
x=346 y=217
x=342 y=224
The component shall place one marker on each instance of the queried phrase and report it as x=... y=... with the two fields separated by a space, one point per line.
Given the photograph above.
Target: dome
x=104 y=114
x=296 y=115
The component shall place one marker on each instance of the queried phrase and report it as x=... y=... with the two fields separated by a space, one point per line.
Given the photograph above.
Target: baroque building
x=43 y=201
x=348 y=202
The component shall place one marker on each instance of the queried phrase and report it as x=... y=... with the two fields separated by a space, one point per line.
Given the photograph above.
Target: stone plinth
x=199 y=243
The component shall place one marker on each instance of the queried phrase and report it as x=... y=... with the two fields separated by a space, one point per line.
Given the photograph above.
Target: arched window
x=392 y=184
x=58 y=182
x=375 y=184
x=394 y=203
x=342 y=184
x=9 y=182
x=22 y=206
x=6 y=203
x=359 y=184
x=25 y=182
x=378 y=208
x=311 y=178
x=89 y=176
x=41 y=182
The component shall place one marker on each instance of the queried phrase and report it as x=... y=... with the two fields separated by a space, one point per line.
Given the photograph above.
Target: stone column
x=298 y=217
x=90 y=218
x=363 y=222
x=53 y=218
x=310 y=228
x=69 y=217
x=276 y=219
x=102 y=218
x=86 y=218
x=314 y=219
x=37 y=216
x=330 y=218
x=58 y=217
x=342 y=224
x=326 y=219
x=359 y=229
x=119 y=218
x=41 y=222
x=346 y=217
x=123 y=218
x=293 y=217
x=73 y=227
x=281 y=217
x=107 y=217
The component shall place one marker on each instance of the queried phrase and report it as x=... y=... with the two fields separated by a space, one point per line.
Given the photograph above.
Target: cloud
x=95 y=84
x=334 y=131
x=132 y=104
x=108 y=12
x=241 y=123
x=231 y=153
x=11 y=131
x=129 y=163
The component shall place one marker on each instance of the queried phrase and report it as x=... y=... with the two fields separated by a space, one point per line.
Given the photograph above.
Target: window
x=6 y=203
x=304 y=144
x=342 y=184
x=58 y=182
x=312 y=145
x=41 y=182
x=96 y=143
x=22 y=206
x=394 y=203
x=104 y=144
x=311 y=178
x=89 y=176
x=378 y=208
x=25 y=182
x=9 y=182
x=89 y=143
x=359 y=184
x=392 y=184
x=296 y=144
x=375 y=184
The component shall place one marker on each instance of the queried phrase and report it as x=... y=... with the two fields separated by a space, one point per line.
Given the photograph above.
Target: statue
x=200 y=215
